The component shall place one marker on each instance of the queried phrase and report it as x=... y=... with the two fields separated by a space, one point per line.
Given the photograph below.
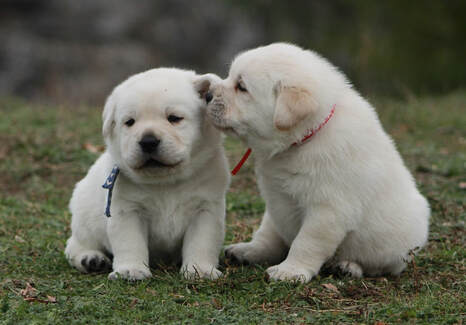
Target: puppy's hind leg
x=266 y=246
x=351 y=269
x=396 y=266
x=85 y=259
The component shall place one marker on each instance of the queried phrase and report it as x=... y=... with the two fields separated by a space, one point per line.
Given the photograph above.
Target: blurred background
x=59 y=59
x=75 y=52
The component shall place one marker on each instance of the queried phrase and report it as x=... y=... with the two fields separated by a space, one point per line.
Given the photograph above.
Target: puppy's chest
x=168 y=219
x=297 y=176
x=289 y=189
x=284 y=208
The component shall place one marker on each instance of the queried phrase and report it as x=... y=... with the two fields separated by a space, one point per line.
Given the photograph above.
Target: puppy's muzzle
x=149 y=143
x=216 y=108
x=216 y=111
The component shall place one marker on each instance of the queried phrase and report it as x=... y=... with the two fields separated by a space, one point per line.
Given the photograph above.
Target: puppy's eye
x=241 y=87
x=130 y=122
x=174 y=119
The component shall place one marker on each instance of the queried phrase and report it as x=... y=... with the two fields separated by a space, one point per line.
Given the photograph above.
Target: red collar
x=309 y=134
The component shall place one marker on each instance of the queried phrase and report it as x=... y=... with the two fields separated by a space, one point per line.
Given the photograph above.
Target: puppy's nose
x=149 y=143
x=208 y=97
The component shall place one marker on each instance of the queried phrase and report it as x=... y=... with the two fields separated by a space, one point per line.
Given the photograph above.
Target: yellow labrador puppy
x=166 y=205
x=335 y=187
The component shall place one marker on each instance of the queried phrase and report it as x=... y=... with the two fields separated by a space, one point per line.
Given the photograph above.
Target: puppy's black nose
x=149 y=143
x=208 y=97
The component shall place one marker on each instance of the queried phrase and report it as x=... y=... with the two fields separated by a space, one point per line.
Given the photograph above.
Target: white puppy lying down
x=168 y=202
x=342 y=195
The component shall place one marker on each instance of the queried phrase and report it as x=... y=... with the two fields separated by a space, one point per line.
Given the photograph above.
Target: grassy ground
x=45 y=150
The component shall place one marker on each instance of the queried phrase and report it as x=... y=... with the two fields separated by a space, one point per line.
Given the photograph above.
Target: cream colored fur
x=172 y=213
x=345 y=196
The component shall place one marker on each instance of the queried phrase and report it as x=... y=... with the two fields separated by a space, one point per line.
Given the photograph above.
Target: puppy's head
x=153 y=124
x=272 y=93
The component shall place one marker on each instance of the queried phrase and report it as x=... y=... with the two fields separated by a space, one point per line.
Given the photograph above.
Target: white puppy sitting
x=168 y=201
x=335 y=187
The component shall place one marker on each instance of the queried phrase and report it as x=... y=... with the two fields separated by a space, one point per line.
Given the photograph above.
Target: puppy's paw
x=195 y=271
x=288 y=272
x=91 y=261
x=245 y=253
x=352 y=269
x=96 y=262
x=130 y=273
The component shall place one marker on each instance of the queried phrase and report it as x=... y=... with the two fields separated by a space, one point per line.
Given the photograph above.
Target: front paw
x=245 y=253
x=288 y=272
x=131 y=273
x=195 y=271
x=95 y=261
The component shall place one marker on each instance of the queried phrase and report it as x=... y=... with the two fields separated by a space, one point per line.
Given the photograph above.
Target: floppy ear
x=202 y=83
x=293 y=105
x=108 y=116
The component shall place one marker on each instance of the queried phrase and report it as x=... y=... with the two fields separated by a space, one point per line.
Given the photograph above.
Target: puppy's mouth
x=227 y=129
x=154 y=163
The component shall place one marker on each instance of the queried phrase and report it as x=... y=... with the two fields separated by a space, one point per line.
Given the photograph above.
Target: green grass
x=42 y=156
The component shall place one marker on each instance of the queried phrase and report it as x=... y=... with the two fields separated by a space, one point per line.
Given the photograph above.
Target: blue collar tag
x=109 y=184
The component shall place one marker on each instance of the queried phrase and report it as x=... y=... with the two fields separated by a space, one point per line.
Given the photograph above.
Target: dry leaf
x=462 y=185
x=19 y=239
x=216 y=303
x=51 y=299
x=444 y=151
x=42 y=301
x=330 y=287
x=3 y=152
x=93 y=148
x=28 y=292
x=177 y=296
x=133 y=303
